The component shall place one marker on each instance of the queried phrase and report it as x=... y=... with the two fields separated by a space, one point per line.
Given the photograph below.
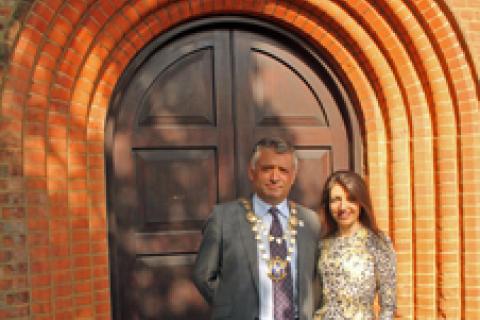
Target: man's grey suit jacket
x=226 y=268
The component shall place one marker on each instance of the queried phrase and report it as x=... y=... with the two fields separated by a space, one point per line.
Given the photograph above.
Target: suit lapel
x=302 y=250
x=249 y=244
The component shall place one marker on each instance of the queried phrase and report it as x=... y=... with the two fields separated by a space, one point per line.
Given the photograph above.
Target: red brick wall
x=467 y=15
x=413 y=65
x=14 y=275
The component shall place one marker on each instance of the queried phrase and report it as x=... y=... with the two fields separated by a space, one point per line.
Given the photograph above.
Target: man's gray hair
x=276 y=144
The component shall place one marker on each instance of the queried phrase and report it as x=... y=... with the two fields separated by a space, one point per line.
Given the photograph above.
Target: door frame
x=319 y=61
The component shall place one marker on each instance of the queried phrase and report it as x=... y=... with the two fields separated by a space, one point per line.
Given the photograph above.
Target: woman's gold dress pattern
x=353 y=269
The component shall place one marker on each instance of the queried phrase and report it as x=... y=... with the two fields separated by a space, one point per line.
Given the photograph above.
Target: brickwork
x=413 y=67
x=14 y=267
x=467 y=15
x=11 y=15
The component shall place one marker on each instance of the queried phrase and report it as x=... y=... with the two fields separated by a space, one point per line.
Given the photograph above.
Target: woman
x=357 y=259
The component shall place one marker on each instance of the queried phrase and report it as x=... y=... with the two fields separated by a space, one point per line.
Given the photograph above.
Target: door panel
x=169 y=102
x=173 y=296
x=182 y=130
x=281 y=96
x=177 y=187
x=314 y=166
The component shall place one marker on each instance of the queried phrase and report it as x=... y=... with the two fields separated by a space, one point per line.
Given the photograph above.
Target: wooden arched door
x=182 y=123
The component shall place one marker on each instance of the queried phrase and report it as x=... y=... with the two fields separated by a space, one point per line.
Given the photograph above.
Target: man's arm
x=208 y=262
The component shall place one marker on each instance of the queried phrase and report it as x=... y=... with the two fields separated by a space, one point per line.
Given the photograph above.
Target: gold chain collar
x=277 y=266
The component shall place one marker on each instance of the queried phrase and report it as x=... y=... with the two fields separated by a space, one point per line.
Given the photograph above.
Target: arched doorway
x=182 y=122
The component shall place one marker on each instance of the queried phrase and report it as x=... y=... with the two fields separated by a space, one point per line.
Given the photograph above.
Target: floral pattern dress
x=353 y=270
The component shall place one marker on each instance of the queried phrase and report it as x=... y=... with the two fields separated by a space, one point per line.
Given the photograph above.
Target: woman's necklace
x=277 y=266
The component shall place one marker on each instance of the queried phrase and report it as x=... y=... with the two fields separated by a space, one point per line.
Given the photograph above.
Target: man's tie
x=283 y=289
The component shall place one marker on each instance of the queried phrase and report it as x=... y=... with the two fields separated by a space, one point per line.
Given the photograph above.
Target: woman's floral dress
x=353 y=270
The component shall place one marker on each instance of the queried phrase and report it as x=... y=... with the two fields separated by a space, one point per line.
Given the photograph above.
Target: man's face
x=273 y=175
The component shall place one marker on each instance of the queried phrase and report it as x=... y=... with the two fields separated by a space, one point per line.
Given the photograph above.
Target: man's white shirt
x=261 y=208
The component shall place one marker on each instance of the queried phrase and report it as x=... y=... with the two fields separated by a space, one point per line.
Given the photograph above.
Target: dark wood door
x=178 y=138
x=280 y=94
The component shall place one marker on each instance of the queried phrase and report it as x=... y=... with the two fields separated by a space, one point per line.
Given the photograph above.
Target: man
x=258 y=256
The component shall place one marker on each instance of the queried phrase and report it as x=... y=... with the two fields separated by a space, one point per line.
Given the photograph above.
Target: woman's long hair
x=357 y=191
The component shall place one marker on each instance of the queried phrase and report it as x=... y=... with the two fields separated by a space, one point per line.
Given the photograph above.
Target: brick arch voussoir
x=463 y=79
x=23 y=59
x=394 y=42
x=123 y=37
x=93 y=41
x=442 y=33
x=456 y=55
x=283 y=14
x=126 y=49
x=64 y=22
x=35 y=52
x=413 y=78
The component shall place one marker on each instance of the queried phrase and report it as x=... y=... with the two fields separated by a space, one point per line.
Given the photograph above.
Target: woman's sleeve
x=386 y=277
x=320 y=299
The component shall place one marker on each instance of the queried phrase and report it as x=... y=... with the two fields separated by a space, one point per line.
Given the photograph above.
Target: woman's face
x=344 y=211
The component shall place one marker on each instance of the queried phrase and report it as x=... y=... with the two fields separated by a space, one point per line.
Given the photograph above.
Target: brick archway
x=407 y=66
